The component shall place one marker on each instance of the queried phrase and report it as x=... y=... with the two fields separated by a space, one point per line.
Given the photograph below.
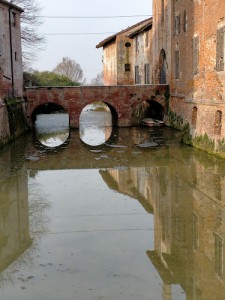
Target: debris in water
x=148 y=145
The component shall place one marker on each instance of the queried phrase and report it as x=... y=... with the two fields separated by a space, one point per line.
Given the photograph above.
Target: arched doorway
x=162 y=67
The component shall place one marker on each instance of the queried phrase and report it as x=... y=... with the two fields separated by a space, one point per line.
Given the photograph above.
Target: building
x=127 y=55
x=188 y=46
x=11 y=74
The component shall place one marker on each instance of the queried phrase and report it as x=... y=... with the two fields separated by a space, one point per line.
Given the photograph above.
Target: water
x=113 y=221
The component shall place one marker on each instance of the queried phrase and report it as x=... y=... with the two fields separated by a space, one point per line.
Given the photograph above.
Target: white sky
x=82 y=48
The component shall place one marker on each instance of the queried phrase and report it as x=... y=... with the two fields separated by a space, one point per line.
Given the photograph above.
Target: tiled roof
x=131 y=31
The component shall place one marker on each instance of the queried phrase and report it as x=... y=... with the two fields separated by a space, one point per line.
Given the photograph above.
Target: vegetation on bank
x=47 y=78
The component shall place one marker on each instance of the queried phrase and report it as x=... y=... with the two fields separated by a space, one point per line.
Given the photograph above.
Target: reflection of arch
x=155 y=110
x=46 y=108
x=162 y=67
x=113 y=140
x=114 y=114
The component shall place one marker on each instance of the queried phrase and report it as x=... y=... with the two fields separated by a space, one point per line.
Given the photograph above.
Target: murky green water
x=124 y=220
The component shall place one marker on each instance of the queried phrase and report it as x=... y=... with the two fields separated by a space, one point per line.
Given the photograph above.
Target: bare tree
x=71 y=69
x=30 y=21
x=98 y=80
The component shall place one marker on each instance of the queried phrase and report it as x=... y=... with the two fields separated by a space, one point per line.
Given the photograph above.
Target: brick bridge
x=122 y=100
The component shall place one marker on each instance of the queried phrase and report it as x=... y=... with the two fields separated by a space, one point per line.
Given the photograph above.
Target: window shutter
x=220 y=50
x=177 y=64
x=195 y=54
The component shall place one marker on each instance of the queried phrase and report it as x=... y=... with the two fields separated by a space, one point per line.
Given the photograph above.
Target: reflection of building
x=11 y=75
x=187 y=202
x=126 y=55
x=14 y=216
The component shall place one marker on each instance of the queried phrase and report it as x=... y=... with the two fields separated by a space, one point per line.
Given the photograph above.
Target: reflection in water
x=52 y=130
x=95 y=127
x=123 y=223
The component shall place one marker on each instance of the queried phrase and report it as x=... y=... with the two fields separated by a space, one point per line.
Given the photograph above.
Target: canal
x=103 y=213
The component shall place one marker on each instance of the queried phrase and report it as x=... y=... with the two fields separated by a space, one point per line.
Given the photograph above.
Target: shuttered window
x=177 y=24
x=220 y=49
x=147 y=74
x=1 y=47
x=137 y=76
x=177 y=64
x=195 y=54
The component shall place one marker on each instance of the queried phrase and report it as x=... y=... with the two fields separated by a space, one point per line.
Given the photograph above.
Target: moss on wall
x=204 y=142
x=167 y=98
x=16 y=120
x=186 y=137
x=138 y=114
x=175 y=120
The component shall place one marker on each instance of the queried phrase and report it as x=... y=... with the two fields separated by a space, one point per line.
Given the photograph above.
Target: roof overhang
x=11 y=5
x=131 y=32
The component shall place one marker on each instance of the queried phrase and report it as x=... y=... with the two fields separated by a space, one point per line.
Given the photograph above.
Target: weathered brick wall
x=124 y=99
x=161 y=38
x=189 y=36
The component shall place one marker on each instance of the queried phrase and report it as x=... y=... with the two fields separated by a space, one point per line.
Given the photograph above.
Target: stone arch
x=46 y=108
x=110 y=106
x=155 y=110
x=162 y=67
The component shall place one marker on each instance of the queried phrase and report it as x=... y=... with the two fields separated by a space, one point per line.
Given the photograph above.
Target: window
x=185 y=21
x=177 y=24
x=195 y=54
x=127 y=44
x=146 y=39
x=127 y=67
x=147 y=74
x=15 y=55
x=218 y=122
x=195 y=229
x=162 y=11
x=1 y=47
x=218 y=255
x=220 y=49
x=177 y=64
x=137 y=76
x=136 y=44
x=194 y=116
x=13 y=19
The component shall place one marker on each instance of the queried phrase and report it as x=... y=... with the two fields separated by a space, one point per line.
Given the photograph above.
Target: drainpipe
x=11 y=50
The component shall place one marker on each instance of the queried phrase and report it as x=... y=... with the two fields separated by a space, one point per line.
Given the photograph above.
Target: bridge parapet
x=123 y=99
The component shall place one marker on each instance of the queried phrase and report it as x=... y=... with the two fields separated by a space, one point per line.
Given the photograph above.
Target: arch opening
x=51 y=125
x=96 y=123
x=154 y=110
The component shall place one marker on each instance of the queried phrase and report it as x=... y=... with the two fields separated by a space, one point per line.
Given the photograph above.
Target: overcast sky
x=82 y=47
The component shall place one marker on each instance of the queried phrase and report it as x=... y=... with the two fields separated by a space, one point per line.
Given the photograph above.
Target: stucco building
x=127 y=55
x=11 y=74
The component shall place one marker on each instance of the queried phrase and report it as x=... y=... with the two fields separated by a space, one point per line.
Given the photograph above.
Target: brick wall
x=123 y=99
